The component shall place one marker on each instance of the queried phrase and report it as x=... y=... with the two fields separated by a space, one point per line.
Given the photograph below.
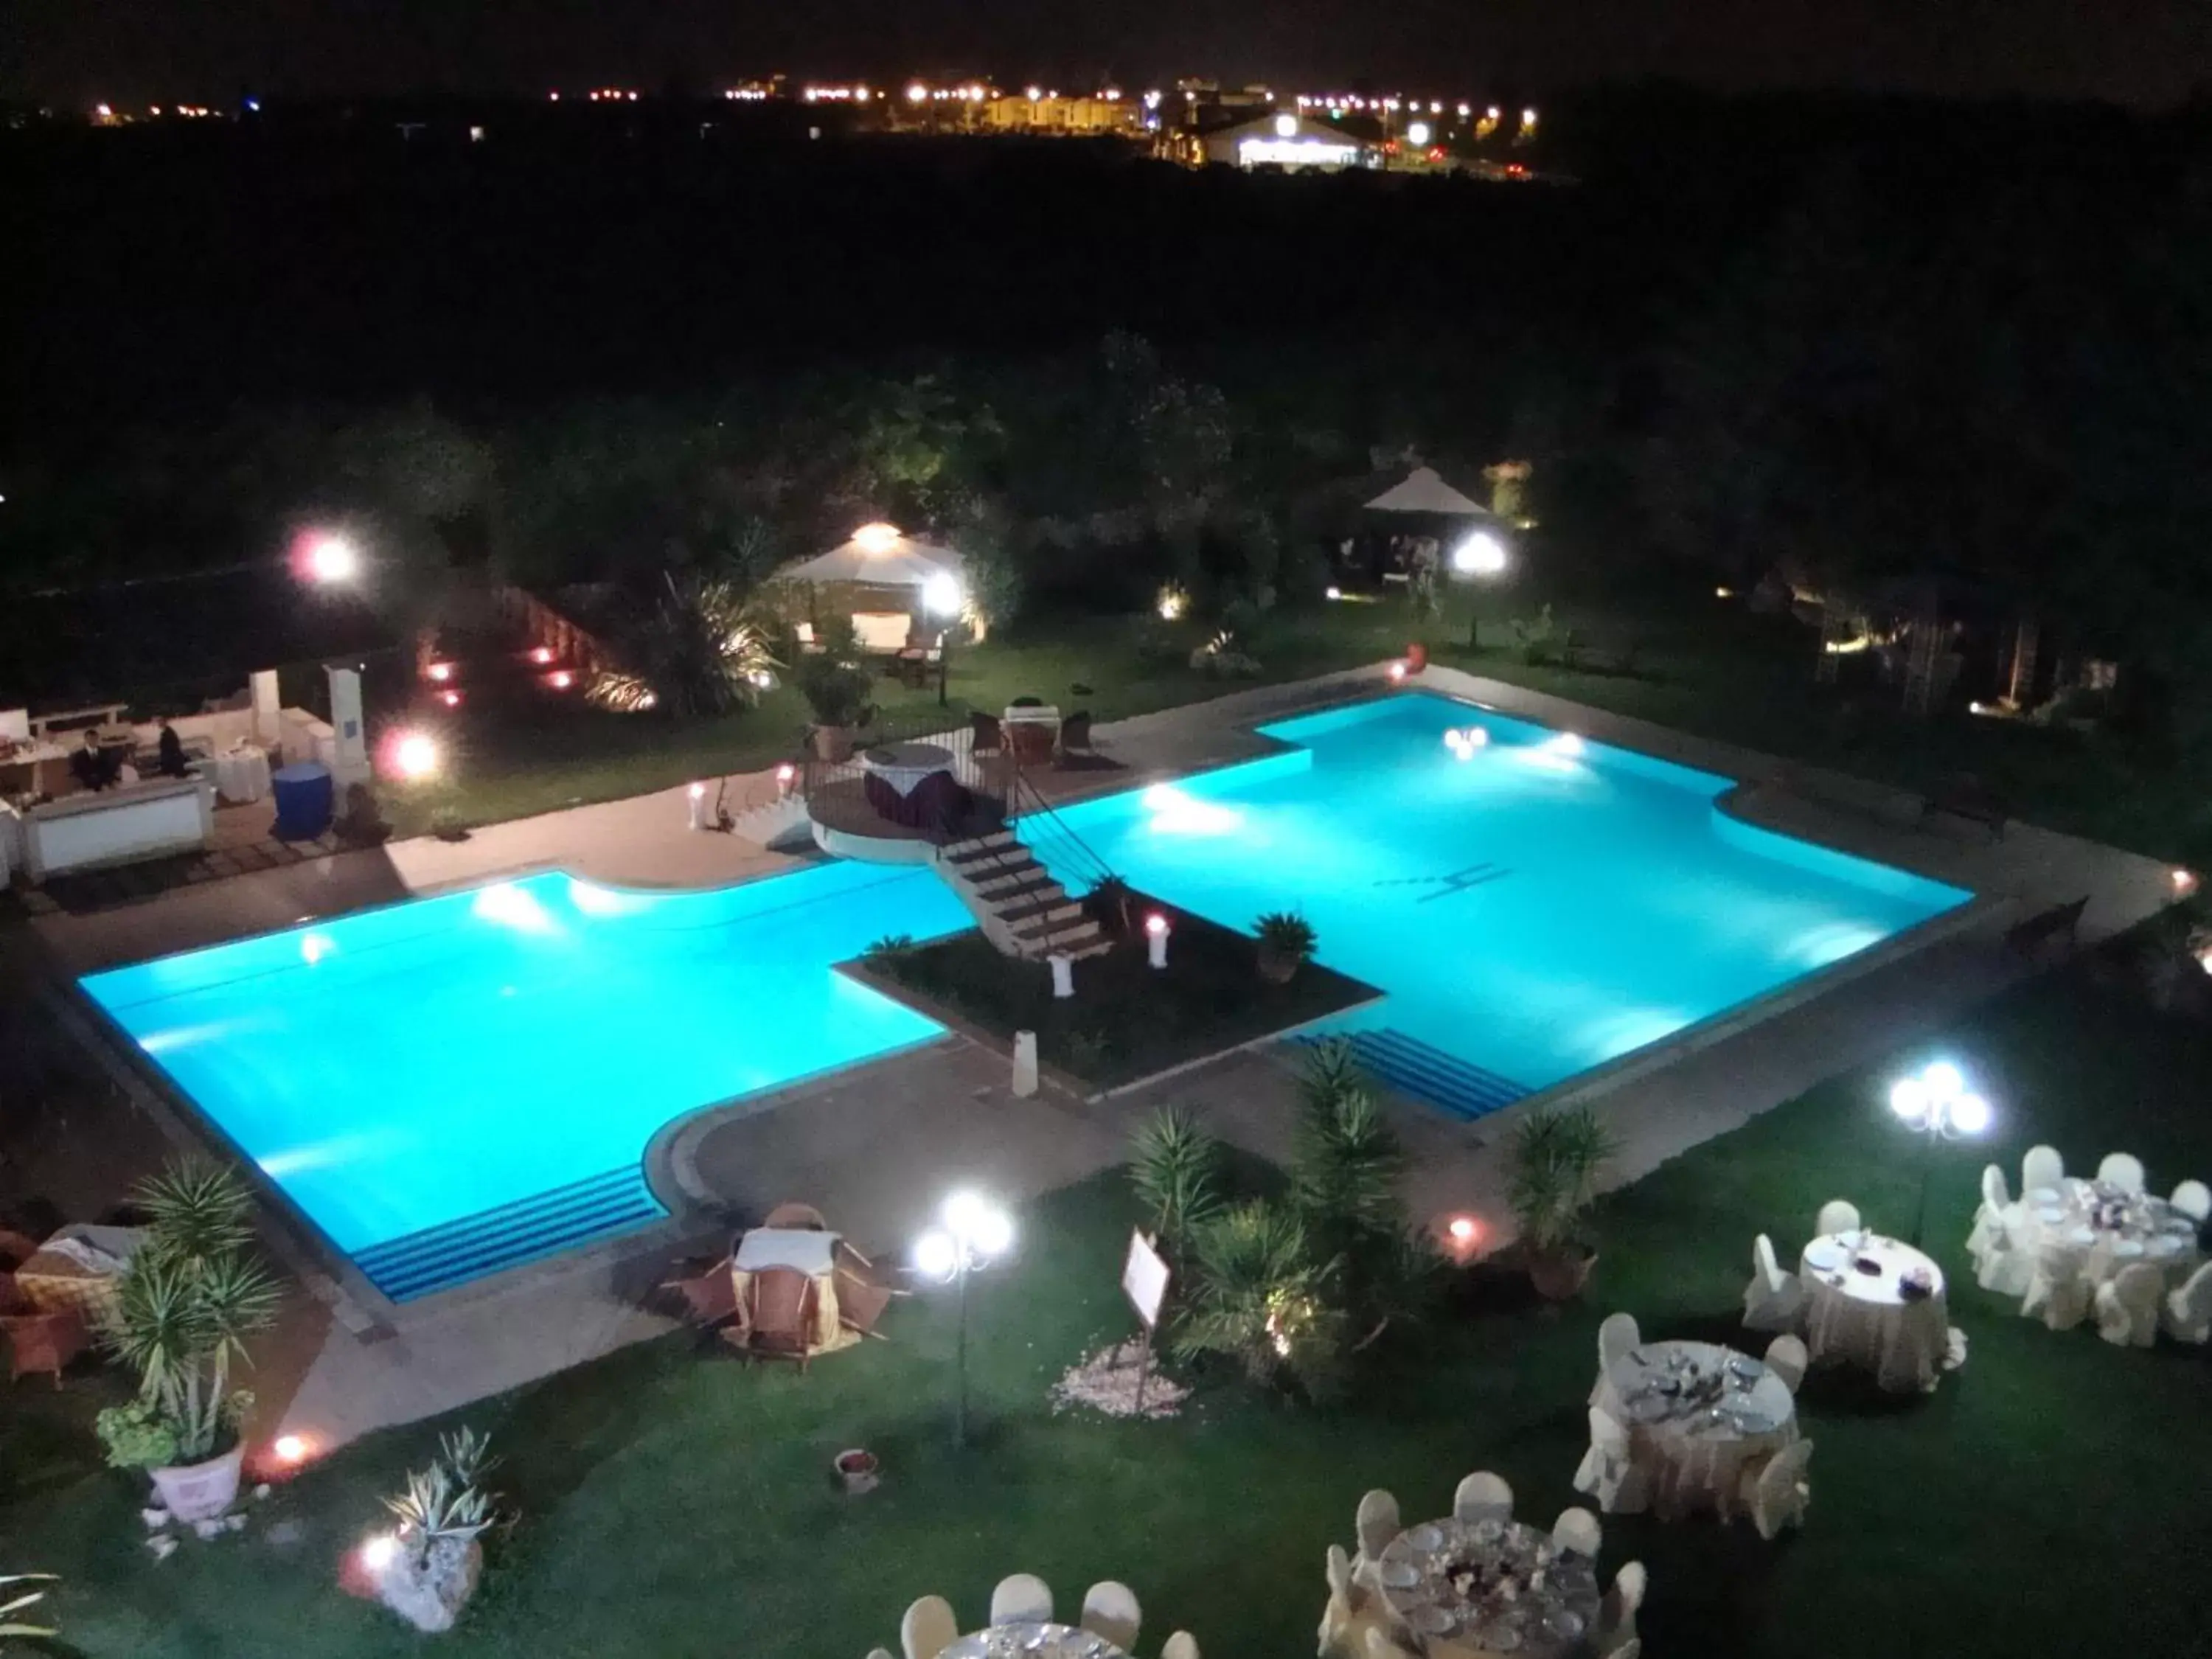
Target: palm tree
x=696 y=653
x=1261 y=1298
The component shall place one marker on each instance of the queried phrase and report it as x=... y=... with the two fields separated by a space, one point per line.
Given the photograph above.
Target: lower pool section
x=456 y=1084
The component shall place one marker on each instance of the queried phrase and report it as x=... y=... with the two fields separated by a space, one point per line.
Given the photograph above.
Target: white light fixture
x=1417 y=135
x=380 y=1552
x=416 y=755
x=1287 y=126
x=1333 y=593
x=940 y=594
x=332 y=559
x=1936 y=1102
x=974 y=1232
x=1156 y=939
x=876 y=537
x=1481 y=554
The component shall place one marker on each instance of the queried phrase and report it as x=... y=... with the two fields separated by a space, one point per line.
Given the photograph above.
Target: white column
x=1063 y=975
x=1025 y=1064
x=268 y=728
x=352 y=762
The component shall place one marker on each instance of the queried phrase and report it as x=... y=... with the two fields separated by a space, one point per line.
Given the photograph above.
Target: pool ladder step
x=1425 y=1073
x=439 y=1258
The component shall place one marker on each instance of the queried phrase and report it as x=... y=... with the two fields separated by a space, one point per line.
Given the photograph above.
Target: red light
x=1464 y=1229
x=561 y=680
x=1156 y=924
x=542 y=655
x=451 y=699
x=440 y=671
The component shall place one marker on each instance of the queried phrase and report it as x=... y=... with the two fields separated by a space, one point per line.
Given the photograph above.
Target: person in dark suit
x=172 y=752
x=88 y=765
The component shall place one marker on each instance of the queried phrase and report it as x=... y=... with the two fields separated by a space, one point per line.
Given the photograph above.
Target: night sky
x=75 y=51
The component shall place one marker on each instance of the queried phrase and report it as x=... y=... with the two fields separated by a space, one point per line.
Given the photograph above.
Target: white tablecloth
x=1555 y=1617
x=1031 y=1641
x=1691 y=1461
x=813 y=1254
x=2095 y=1232
x=1865 y=1318
x=241 y=774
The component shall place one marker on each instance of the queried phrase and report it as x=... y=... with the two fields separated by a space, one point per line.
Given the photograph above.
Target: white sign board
x=1145 y=1279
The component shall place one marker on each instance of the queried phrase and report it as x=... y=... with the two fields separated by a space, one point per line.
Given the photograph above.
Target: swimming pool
x=451 y=1085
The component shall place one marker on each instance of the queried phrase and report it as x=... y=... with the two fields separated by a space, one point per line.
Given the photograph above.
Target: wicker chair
x=778 y=1311
x=44 y=1342
x=800 y=1218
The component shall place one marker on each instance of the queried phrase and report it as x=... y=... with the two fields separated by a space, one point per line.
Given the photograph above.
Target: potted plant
x=837 y=695
x=1286 y=940
x=1555 y=1161
x=183 y=1310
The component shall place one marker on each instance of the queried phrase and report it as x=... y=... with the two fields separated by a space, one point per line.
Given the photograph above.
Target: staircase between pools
x=1019 y=904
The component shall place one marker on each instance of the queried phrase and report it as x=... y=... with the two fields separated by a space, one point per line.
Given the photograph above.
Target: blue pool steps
x=1425 y=1073
x=491 y=1241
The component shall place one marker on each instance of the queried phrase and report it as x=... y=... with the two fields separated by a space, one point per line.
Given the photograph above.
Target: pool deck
x=875 y=1145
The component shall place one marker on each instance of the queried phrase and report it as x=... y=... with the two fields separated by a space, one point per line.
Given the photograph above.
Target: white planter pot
x=200 y=1492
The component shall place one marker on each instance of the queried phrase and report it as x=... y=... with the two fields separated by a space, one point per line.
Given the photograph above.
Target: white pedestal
x=1063 y=975
x=1025 y=1064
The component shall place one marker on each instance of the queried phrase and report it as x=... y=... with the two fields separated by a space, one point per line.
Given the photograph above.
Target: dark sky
x=2142 y=52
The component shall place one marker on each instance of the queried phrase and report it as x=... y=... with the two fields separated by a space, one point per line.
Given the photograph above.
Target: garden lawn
x=676 y=1506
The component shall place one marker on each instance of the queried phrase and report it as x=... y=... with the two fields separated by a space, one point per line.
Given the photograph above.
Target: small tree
x=1260 y=1298
x=1175 y=1165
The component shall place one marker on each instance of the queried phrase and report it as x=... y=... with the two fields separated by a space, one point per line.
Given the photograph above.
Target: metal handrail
x=1026 y=802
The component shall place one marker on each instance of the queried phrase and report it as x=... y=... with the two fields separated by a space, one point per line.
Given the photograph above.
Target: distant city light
x=1034 y=93
x=1418 y=134
x=1287 y=126
x=103 y=111
x=1491 y=113
x=917 y=94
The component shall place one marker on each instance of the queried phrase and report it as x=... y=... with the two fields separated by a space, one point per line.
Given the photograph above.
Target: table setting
x=1876 y=1302
x=1488 y=1586
x=1698 y=1414
x=1031 y=1639
x=2105 y=1228
x=241 y=772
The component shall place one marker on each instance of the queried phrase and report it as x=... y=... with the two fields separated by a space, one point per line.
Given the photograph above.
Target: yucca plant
x=446 y=1504
x=1345 y=1168
x=1554 y=1164
x=1260 y=1298
x=9 y=1624
x=1175 y=1164
x=197 y=1212
x=1286 y=941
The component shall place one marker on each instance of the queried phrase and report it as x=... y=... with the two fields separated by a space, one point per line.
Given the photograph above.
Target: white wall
x=132 y=823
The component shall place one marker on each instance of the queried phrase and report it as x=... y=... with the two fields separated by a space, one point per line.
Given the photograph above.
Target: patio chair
x=1838 y=1215
x=860 y=1302
x=803 y=1217
x=1033 y=742
x=1774 y=1300
x=2193 y=1198
x=1180 y=1645
x=1777 y=1491
x=928 y=1628
x=1786 y=1359
x=16 y=1248
x=1999 y=1264
x=1578 y=1530
x=706 y=1293
x=986 y=735
x=1351 y=1610
x=2188 y=1312
x=2121 y=1169
x=1988 y=1233
x=2127 y=1306
x=1483 y=1496
x=778 y=1318
x=1615 y=1337
x=2040 y=1172
x=1376 y=1524
x=44 y=1342
x=12 y=1299
x=1608 y=1472
x=1021 y=1598
x=1075 y=735
x=1616 y=1614
x=2057 y=1292
x=1111 y=1610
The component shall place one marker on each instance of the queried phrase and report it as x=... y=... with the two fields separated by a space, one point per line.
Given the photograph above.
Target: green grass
x=1131 y=1021
x=2045 y=1500
x=1703 y=667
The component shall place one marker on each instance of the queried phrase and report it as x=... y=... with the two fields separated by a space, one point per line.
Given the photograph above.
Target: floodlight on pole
x=330 y=558
x=973 y=1233
x=1936 y=1102
x=1480 y=554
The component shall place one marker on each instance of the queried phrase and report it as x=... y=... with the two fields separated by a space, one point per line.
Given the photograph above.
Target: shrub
x=1260 y=1298
x=1286 y=940
x=1175 y=1164
x=1555 y=1161
x=835 y=692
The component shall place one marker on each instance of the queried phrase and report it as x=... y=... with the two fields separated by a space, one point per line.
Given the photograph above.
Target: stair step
x=1041 y=914
x=1013 y=875
x=1426 y=1073
x=982 y=848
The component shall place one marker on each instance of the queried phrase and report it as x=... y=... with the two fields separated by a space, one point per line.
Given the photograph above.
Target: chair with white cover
x=1376 y=1525
x=1988 y=1229
x=1021 y=1598
x=1353 y=1609
x=2040 y=1172
x=1631 y=1649
x=2121 y=1169
x=1774 y=1300
x=1615 y=1635
x=1111 y=1610
x=1608 y=1471
x=1180 y=1645
x=2057 y=1294
x=1786 y=1357
x=1616 y=1335
x=928 y=1628
x=1483 y=1496
x=1838 y=1215
x=2000 y=1264
x=1578 y=1530
x=2127 y=1306
x=2194 y=1199
x=880 y=1653
x=1381 y=1644
x=2188 y=1311
x=1777 y=1491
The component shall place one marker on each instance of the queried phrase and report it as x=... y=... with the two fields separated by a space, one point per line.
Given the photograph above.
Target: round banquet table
x=1025 y=1639
x=1528 y=1596
x=902 y=765
x=241 y=774
x=1697 y=1415
x=1858 y=1311
x=2082 y=1228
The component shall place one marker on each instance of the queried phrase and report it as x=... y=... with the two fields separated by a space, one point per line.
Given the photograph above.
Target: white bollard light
x=698 y=806
x=1025 y=1064
x=1063 y=975
x=1156 y=939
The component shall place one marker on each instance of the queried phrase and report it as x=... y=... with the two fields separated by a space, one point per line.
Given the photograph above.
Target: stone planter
x=1560 y=1275
x=1279 y=967
x=857 y=1471
x=429 y=1590
x=833 y=743
x=200 y=1492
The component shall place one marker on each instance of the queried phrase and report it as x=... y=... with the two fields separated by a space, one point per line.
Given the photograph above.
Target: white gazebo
x=1423 y=491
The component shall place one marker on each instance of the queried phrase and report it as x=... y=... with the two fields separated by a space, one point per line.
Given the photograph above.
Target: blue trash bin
x=303 y=800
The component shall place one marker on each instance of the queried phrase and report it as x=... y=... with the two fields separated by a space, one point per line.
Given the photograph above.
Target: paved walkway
x=876 y=1146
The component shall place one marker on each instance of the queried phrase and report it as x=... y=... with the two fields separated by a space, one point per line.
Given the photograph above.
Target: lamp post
x=941 y=596
x=1936 y=1102
x=973 y=1233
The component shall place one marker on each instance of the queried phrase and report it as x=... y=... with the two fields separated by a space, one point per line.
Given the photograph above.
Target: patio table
x=1877 y=1303
x=814 y=1254
x=77 y=1269
x=241 y=774
x=1028 y=1639
x=1698 y=1414
x=902 y=765
x=1476 y=1588
x=2105 y=1230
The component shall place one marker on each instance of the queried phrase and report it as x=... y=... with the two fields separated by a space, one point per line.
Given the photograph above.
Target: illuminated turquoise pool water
x=450 y=1085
